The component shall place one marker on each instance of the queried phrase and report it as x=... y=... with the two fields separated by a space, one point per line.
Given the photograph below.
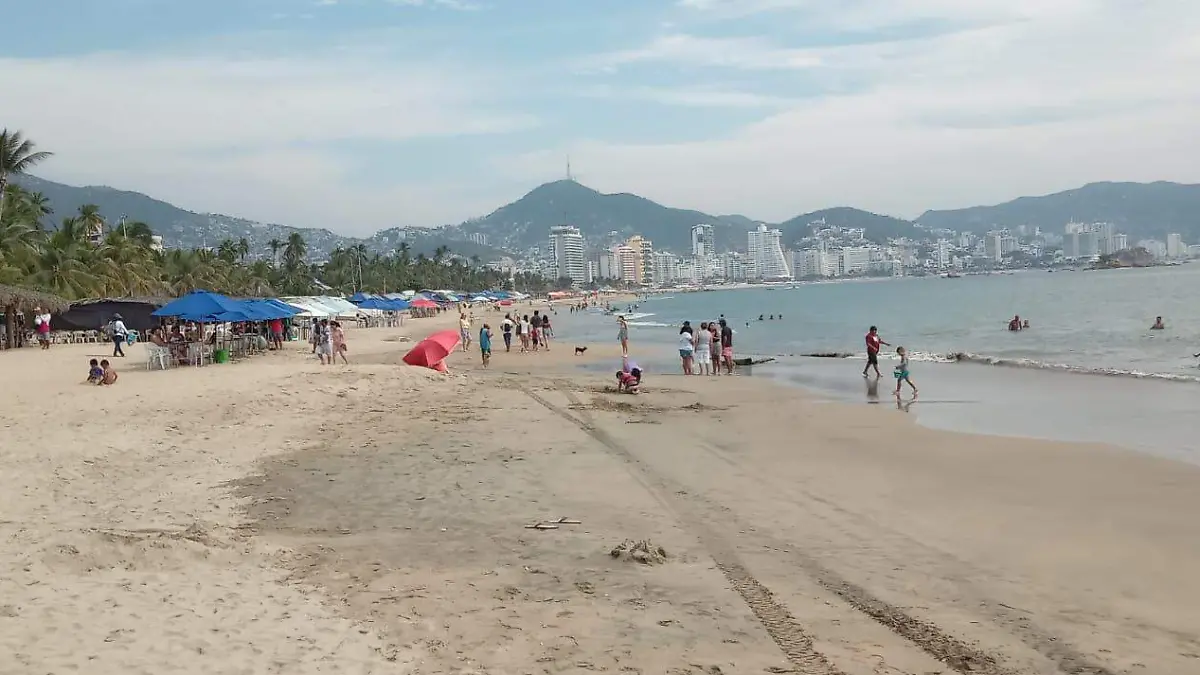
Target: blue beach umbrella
x=203 y=307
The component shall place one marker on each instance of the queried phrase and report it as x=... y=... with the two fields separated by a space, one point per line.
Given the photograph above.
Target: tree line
x=83 y=256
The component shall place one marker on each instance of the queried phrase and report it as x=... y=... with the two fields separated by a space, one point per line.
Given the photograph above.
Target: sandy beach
x=278 y=516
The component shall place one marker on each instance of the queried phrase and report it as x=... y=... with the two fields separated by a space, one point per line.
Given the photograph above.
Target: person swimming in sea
x=1015 y=324
x=1158 y=324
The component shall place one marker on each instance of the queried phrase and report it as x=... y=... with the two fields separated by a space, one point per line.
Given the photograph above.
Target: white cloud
x=695 y=97
x=1038 y=97
x=252 y=137
x=461 y=5
x=745 y=53
x=870 y=14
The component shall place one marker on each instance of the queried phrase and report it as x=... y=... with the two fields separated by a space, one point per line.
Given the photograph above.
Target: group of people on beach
x=328 y=340
x=531 y=332
x=705 y=350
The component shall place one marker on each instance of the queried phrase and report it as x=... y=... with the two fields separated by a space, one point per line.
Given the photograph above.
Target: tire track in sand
x=788 y=634
x=1067 y=659
x=791 y=637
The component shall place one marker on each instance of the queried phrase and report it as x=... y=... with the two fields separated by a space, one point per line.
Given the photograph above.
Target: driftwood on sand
x=749 y=361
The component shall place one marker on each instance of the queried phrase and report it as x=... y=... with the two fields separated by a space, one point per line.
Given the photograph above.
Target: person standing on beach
x=703 y=354
x=524 y=334
x=276 y=326
x=506 y=327
x=41 y=321
x=687 y=347
x=464 y=330
x=546 y=331
x=623 y=335
x=485 y=344
x=727 y=347
x=873 y=342
x=714 y=335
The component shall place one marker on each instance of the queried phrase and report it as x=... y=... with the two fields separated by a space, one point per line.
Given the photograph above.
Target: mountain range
x=1141 y=210
x=186 y=229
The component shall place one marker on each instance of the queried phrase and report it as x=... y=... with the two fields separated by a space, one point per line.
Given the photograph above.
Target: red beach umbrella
x=423 y=303
x=433 y=350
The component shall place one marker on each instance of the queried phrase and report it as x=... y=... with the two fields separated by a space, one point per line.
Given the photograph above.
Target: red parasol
x=423 y=303
x=433 y=350
x=506 y=303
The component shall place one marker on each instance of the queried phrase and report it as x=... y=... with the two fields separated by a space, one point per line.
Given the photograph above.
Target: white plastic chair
x=157 y=355
x=198 y=354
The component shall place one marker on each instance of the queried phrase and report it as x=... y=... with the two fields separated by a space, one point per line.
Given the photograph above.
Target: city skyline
x=834 y=252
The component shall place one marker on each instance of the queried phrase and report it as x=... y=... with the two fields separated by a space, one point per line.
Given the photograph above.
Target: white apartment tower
x=566 y=244
x=943 y=254
x=1175 y=247
x=702 y=241
x=764 y=253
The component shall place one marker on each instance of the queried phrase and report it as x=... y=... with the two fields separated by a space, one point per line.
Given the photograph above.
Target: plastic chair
x=198 y=354
x=157 y=355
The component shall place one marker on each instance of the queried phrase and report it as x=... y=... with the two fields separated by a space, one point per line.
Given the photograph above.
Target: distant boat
x=951 y=275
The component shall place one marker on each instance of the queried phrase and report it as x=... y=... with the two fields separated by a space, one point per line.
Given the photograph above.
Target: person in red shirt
x=873 y=343
x=276 y=327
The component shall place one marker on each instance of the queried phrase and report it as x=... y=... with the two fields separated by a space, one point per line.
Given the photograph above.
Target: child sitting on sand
x=95 y=372
x=628 y=382
x=109 y=376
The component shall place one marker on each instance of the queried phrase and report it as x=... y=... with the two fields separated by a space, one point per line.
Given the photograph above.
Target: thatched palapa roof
x=25 y=299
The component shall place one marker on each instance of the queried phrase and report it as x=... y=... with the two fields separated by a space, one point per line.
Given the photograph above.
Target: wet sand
x=1152 y=416
x=277 y=516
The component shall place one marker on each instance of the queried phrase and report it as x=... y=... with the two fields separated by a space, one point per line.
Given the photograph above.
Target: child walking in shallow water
x=901 y=371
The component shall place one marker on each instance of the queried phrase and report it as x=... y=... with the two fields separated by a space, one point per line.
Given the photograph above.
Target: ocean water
x=1096 y=322
x=1089 y=369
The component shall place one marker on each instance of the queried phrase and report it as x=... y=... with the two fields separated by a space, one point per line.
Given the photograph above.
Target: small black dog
x=580 y=350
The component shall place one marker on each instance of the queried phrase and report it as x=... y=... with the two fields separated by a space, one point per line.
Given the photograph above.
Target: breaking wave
x=1034 y=364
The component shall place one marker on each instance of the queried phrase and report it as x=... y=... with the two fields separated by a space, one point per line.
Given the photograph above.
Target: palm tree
x=243 y=249
x=38 y=205
x=64 y=272
x=440 y=253
x=72 y=231
x=227 y=250
x=275 y=245
x=295 y=251
x=17 y=156
x=91 y=221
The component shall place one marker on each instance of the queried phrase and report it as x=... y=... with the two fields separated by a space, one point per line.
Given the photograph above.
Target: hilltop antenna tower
x=569 y=176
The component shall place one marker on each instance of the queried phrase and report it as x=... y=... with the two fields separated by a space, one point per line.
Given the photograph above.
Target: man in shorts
x=726 y=346
x=323 y=342
x=873 y=342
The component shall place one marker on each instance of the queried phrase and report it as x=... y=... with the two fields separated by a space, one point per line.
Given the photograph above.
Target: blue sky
x=362 y=114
